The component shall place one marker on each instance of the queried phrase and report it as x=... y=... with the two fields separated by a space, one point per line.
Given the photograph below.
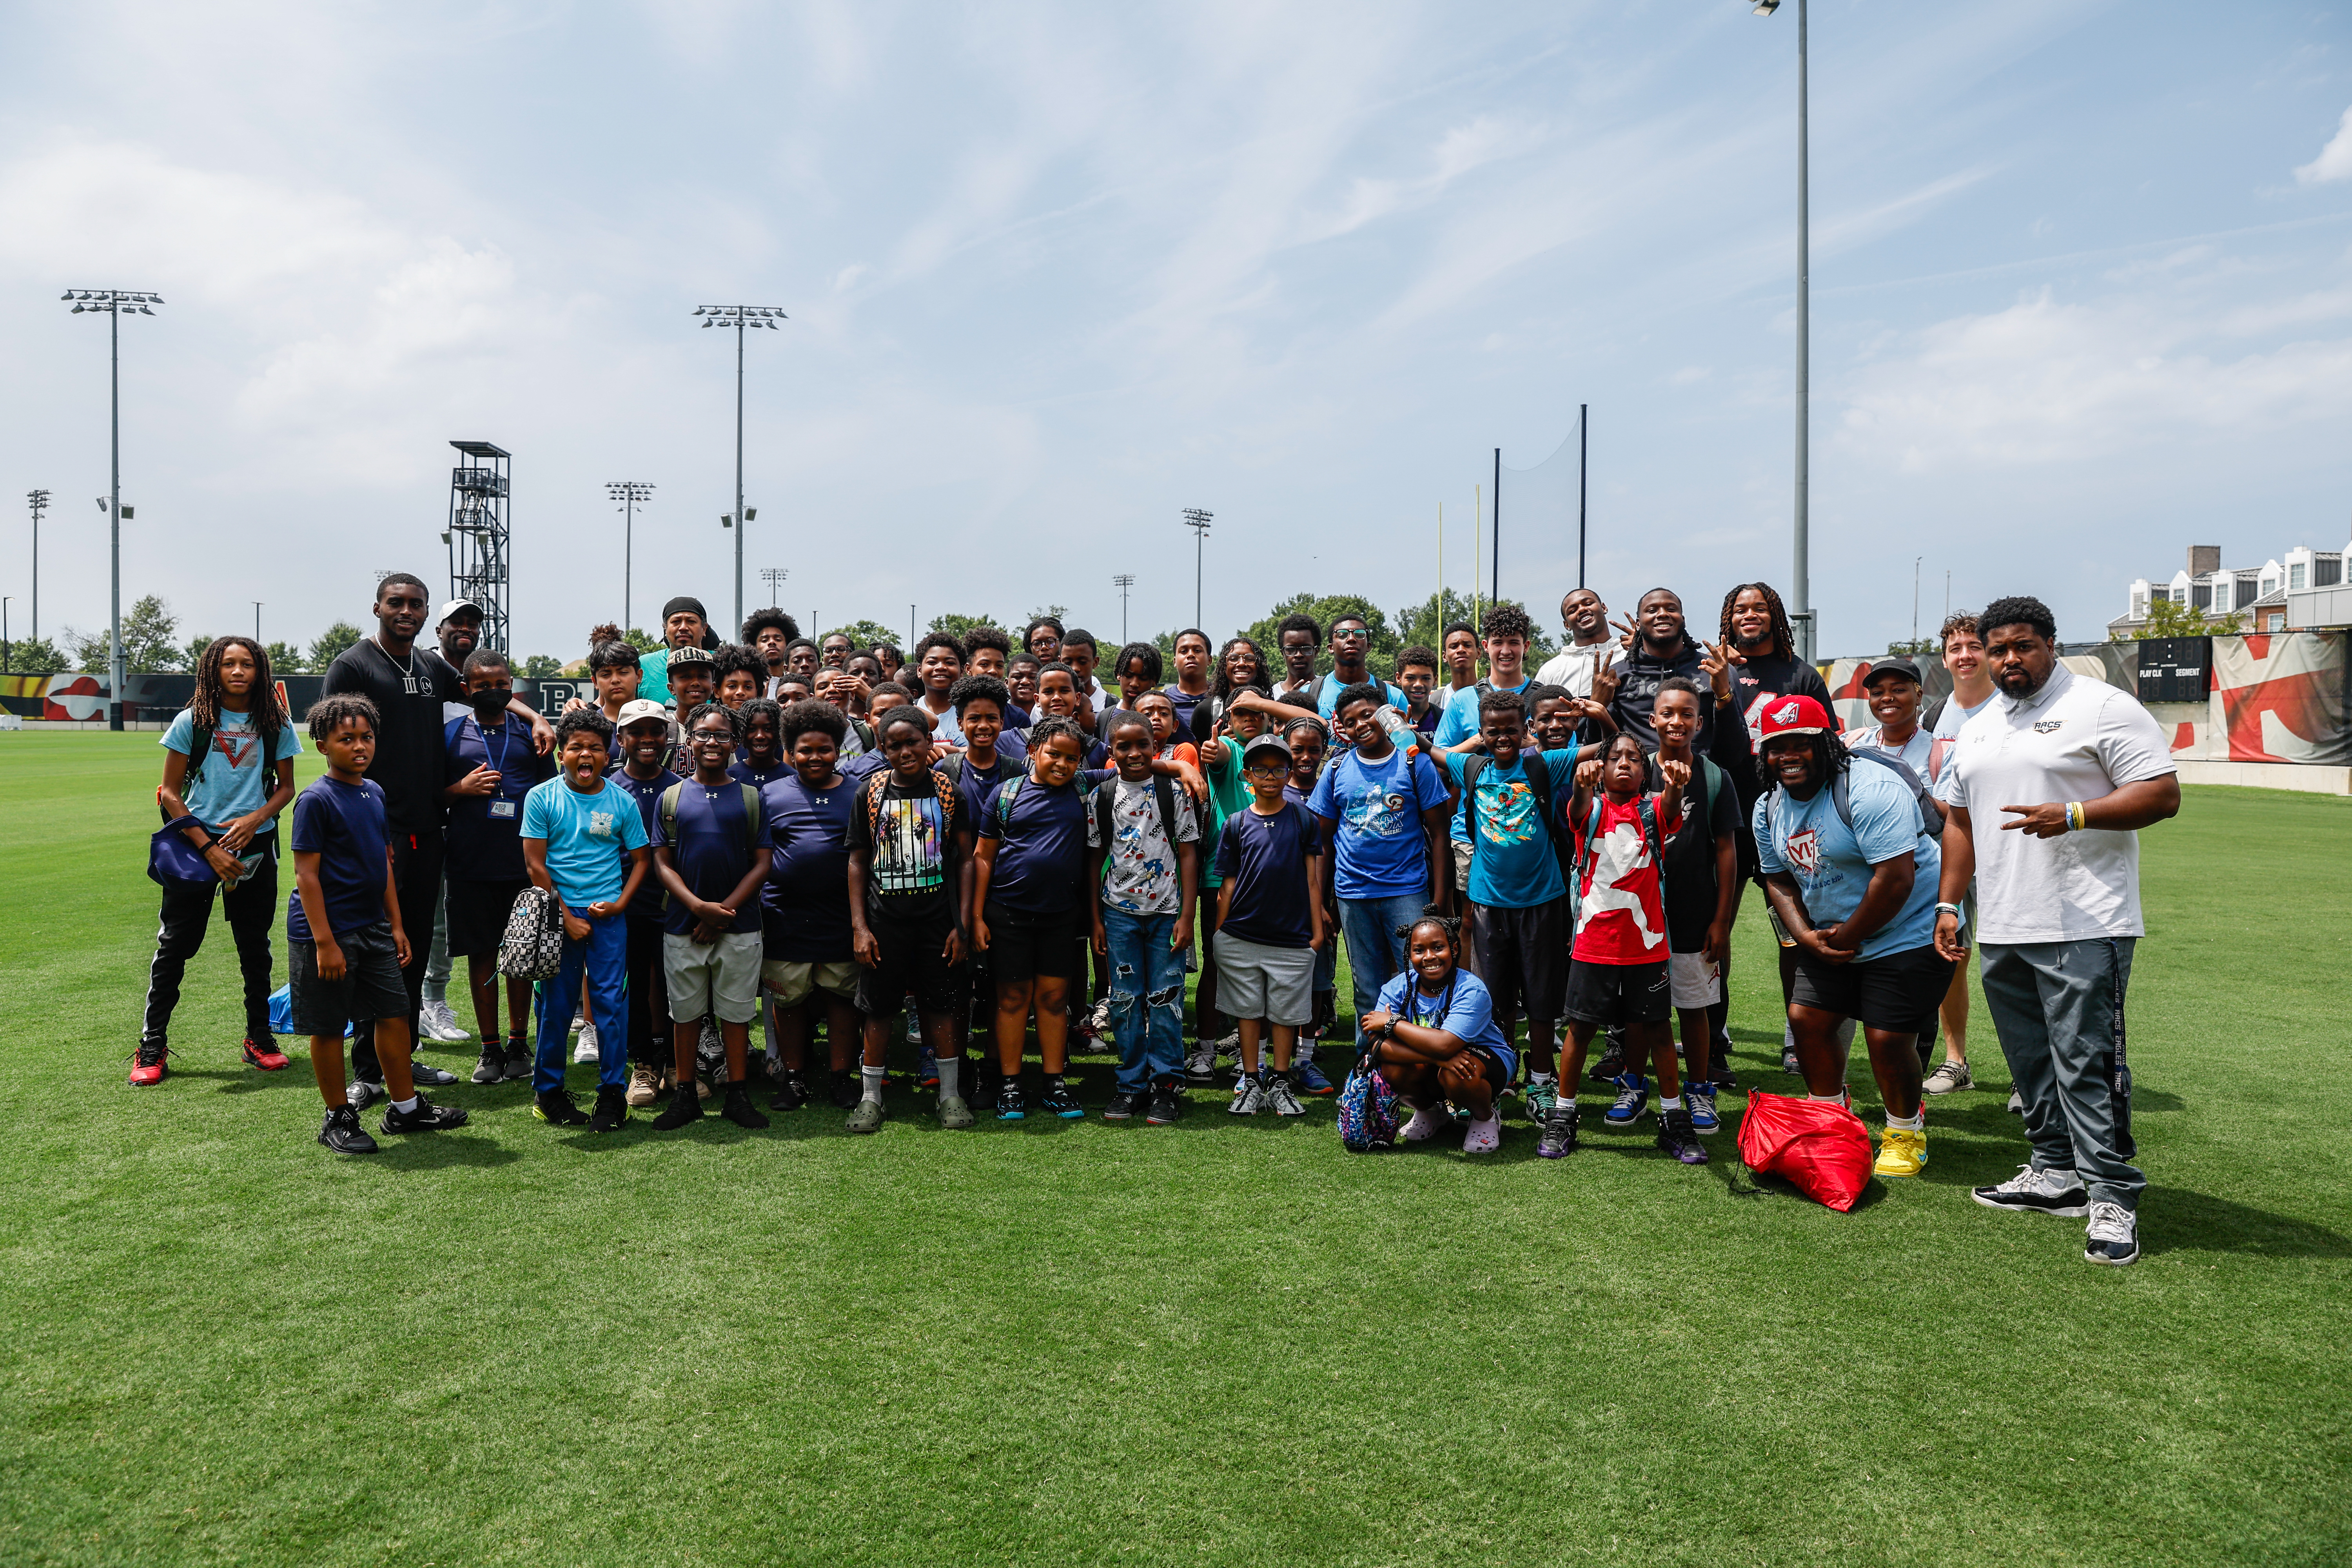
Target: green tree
x=2166 y=619
x=331 y=643
x=286 y=658
x=641 y=640
x=865 y=634
x=1911 y=648
x=36 y=655
x=193 y=651
x=1059 y=612
x=957 y=626
x=1326 y=608
x=540 y=666
x=150 y=640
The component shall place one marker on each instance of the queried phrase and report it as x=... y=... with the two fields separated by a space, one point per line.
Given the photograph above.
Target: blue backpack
x=1368 y=1110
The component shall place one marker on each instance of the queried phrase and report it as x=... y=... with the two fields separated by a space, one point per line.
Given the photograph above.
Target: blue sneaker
x=927 y=1068
x=1700 y=1098
x=1632 y=1098
x=1009 y=1104
x=1308 y=1079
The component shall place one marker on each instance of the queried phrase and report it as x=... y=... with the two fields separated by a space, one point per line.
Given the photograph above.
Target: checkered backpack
x=1368 y=1110
x=532 y=947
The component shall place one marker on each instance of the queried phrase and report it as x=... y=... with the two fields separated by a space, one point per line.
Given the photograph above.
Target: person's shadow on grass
x=440 y=1151
x=2179 y=1220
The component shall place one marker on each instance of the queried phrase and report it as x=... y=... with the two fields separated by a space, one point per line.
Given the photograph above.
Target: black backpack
x=1163 y=795
x=1931 y=812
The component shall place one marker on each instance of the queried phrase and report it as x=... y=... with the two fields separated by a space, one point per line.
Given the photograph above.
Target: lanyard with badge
x=503 y=804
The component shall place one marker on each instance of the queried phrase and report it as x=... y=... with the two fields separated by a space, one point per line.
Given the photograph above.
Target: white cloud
x=2335 y=160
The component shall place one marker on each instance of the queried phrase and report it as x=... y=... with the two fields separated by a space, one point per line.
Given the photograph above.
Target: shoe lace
x=148 y=1056
x=2109 y=1221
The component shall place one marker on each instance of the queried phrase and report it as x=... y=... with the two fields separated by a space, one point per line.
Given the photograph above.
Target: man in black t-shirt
x=408 y=686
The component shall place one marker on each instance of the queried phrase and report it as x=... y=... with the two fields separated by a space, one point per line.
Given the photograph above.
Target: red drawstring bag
x=1821 y=1147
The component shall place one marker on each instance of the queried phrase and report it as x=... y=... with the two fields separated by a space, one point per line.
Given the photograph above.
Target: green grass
x=1215 y=1342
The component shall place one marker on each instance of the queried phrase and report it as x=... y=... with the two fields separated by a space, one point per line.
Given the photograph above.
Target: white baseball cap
x=453 y=606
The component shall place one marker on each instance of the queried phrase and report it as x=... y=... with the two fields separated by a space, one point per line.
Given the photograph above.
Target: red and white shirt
x=1620 y=908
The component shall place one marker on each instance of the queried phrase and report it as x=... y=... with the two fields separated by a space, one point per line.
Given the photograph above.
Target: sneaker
x=1124 y=1104
x=645 y=1084
x=1612 y=1065
x=1057 y=1100
x=682 y=1110
x=1230 y=1047
x=914 y=1026
x=1310 y=1080
x=792 y=1094
x=710 y=1051
x=1903 y=1153
x=2037 y=1192
x=1249 y=1097
x=927 y=1068
x=265 y=1058
x=1632 y=1098
x=148 y=1065
x=342 y=1132
x=1009 y=1104
x=706 y=1084
x=1559 y=1138
x=522 y=1062
x=954 y=1114
x=426 y=1118
x=847 y=1088
x=1282 y=1097
x=1426 y=1123
x=612 y=1112
x=492 y=1068
x=1167 y=1105
x=1538 y=1098
x=584 y=1048
x=425 y=1075
x=361 y=1093
x=1098 y=1020
x=1485 y=1137
x=557 y=1107
x=1699 y=1098
x=1789 y=1062
x=737 y=1107
x=2112 y=1236
x=1677 y=1138
x=436 y=1023
x=2016 y=1103
x=1950 y=1079
x=1201 y=1063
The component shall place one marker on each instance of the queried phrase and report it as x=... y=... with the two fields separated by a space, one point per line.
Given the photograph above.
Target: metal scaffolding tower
x=477 y=537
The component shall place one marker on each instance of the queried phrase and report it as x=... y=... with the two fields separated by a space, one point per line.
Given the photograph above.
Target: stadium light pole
x=1802 y=610
x=257 y=622
x=740 y=317
x=774 y=576
x=39 y=500
x=6 y=667
x=1198 y=521
x=630 y=494
x=115 y=303
x=1124 y=579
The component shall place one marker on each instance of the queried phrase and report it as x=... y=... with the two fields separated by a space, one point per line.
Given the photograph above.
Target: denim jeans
x=1375 y=951
x=602 y=958
x=1147 y=996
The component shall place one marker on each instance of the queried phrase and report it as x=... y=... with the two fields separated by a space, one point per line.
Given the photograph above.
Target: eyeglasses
x=1350 y=634
x=1267 y=769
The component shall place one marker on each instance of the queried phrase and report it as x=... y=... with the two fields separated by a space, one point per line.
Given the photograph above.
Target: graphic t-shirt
x=343 y=825
x=1690 y=881
x=482 y=841
x=1266 y=859
x=1139 y=873
x=1832 y=862
x=804 y=905
x=1621 y=915
x=408 y=694
x=1463 y=1007
x=1755 y=686
x=713 y=846
x=910 y=838
x=1515 y=868
x=1455 y=725
x=588 y=837
x=1041 y=834
x=236 y=778
x=1377 y=806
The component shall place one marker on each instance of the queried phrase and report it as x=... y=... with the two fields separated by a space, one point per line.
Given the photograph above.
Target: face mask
x=489 y=705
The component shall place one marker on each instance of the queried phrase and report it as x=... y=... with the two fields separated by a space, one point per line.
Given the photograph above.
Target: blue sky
x=2082 y=296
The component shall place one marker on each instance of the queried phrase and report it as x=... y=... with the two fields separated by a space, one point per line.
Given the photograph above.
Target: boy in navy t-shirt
x=806 y=942
x=488 y=766
x=642 y=740
x=1269 y=925
x=344 y=929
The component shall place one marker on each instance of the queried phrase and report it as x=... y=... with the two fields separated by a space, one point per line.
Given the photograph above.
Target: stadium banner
x=2281 y=697
x=78 y=696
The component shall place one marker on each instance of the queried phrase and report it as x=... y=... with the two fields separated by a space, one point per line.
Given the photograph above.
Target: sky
x=2082 y=297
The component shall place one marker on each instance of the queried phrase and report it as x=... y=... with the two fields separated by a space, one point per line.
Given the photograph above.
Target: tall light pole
x=1198 y=521
x=774 y=576
x=1801 y=612
x=256 y=624
x=39 y=500
x=1124 y=579
x=739 y=317
x=631 y=495
x=115 y=303
x=6 y=667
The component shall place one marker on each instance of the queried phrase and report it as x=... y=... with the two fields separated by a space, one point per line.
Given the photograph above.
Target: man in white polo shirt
x=2065 y=771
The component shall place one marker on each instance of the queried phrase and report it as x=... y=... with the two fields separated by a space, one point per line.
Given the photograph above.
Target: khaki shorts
x=719 y=978
x=793 y=983
x=1461 y=867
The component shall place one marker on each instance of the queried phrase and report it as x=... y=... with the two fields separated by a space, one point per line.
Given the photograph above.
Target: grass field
x=1215 y=1342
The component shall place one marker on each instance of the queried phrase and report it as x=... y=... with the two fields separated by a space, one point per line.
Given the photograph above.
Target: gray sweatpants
x=2058 y=1007
x=436 y=963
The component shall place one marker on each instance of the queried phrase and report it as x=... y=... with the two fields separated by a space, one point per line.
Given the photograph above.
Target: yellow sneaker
x=1903 y=1153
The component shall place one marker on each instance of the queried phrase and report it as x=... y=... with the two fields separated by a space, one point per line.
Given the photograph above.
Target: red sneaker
x=147 y=1065
x=266 y=1058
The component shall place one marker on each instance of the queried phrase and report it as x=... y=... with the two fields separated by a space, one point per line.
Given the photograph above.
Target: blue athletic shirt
x=651 y=900
x=588 y=836
x=1041 y=856
x=741 y=771
x=712 y=848
x=1327 y=689
x=482 y=841
x=1465 y=1009
x=344 y=826
x=1377 y=807
x=236 y=777
x=1265 y=857
x=806 y=903
x=1832 y=865
x=1515 y=868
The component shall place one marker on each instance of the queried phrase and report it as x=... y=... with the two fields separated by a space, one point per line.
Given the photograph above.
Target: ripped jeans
x=1147 y=998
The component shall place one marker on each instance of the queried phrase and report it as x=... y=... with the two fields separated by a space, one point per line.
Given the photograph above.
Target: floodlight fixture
x=740 y=317
x=114 y=304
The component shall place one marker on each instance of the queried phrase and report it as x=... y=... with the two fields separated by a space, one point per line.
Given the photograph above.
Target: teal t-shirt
x=588 y=837
x=1457 y=724
x=653 y=676
x=236 y=777
x=1515 y=868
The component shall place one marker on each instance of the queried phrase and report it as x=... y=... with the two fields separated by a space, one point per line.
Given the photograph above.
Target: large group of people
x=1536 y=875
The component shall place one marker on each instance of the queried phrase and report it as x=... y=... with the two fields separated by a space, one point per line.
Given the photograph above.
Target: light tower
x=115 y=303
x=1198 y=521
x=774 y=576
x=477 y=537
x=1801 y=597
x=1124 y=579
x=39 y=502
x=631 y=495
x=739 y=317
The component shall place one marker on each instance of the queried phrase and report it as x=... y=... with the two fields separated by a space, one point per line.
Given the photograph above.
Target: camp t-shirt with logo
x=2075 y=739
x=743 y=770
x=1515 y=868
x=1139 y=873
x=907 y=877
x=236 y=778
x=1832 y=863
x=589 y=837
x=651 y=900
x=1621 y=916
x=713 y=843
x=1383 y=850
x=343 y=825
x=805 y=900
x=1041 y=833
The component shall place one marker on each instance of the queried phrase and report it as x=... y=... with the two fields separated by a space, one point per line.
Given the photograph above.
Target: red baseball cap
x=1794 y=716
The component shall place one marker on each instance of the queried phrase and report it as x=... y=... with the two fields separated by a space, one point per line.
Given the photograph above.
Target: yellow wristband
x=2073 y=816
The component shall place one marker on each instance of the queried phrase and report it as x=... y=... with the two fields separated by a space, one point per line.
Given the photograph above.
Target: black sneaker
x=846 y=1089
x=1166 y=1103
x=611 y=1110
x=1612 y=1064
x=682 y=1109
x=1559 y=1140
x=492 y=1068
x=1788 y=1063
x=1057 y=1100
x=519 y=1064
x=342 y=1132
x=426 y=1118
x=737 y=1108
x=557 y=1107
x=1677 y=1137
x=792 y=1094
x=1124 y=1104
x=1009 y=1106
x=425 y=1075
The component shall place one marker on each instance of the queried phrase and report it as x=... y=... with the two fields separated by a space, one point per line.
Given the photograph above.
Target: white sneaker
x=439 y=1024
x=2037 y=1192
x=1249 y=1097
x=1950 y=1079
x=2112 y=1236
x=1483 y=1137
x=1426 y=1123
x=584 y=1050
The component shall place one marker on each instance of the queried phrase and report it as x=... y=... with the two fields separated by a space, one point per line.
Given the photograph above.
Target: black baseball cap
x=1902 y=666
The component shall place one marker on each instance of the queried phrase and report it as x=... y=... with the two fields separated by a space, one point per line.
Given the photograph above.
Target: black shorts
x=1896 y=992
x=477 y=915
x=370 y=987
x=1027 y=946
x=914 y=960
x=1522 y=955
x=1613 y=993
x=1498 y=1072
